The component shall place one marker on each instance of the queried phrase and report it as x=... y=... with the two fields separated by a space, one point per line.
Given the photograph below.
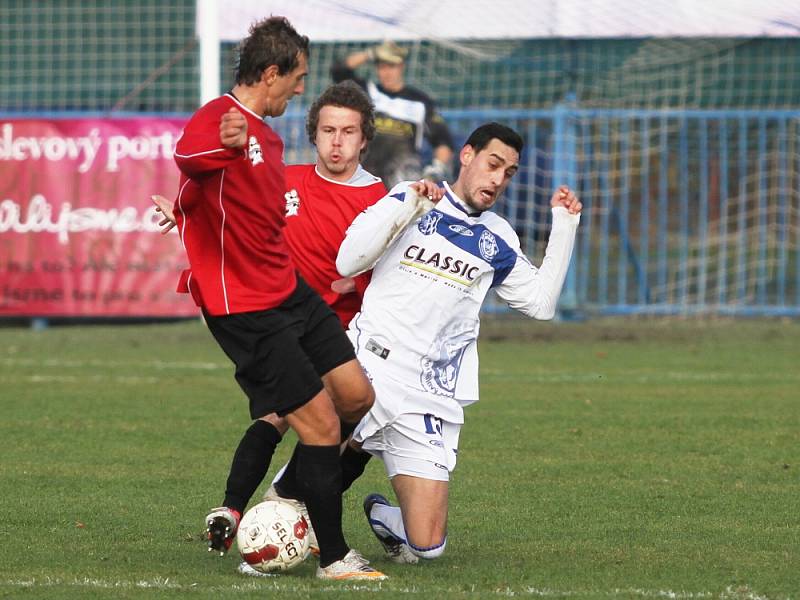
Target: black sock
x=250 y=464
x=320 y=475
x=287 y=485
x=353 y=465
x=345 y=429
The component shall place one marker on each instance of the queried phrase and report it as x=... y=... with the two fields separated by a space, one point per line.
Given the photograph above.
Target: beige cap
x=390 y=52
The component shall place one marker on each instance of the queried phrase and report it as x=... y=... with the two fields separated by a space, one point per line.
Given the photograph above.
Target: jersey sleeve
x=534 y=292
x=199 y=150
x=375 y=230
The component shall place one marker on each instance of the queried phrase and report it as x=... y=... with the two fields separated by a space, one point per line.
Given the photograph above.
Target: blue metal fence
x=684 y=211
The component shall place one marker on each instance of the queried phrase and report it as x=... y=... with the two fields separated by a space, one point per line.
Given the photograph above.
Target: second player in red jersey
x=318 y=212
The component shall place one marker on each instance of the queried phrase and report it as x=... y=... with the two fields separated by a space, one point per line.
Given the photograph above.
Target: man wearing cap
x=404 y=115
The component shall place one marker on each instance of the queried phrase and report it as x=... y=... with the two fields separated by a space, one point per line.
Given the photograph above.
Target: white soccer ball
x=273 y=536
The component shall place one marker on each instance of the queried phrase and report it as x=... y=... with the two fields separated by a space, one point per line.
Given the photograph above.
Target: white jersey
x=419 y=319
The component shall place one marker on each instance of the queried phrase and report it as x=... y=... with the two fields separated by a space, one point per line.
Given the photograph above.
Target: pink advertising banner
x=78 y=234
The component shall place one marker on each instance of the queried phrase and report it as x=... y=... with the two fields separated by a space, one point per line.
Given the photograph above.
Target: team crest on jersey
x=487 y=245
x=292 y=203
x=427 y=224
x=254 y=151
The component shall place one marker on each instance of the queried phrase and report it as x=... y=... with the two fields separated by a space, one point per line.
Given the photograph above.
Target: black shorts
x=281 y=353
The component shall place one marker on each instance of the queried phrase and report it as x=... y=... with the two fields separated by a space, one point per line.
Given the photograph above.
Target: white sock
x=429 y=553
x=390 y=518
x=279 y=474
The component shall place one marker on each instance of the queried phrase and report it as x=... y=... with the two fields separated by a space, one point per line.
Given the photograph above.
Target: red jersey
x=318 y=213
x=230 y=214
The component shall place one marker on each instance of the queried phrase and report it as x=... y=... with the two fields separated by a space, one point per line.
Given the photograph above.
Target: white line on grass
x=489 y=375
x=665 y=377
x=48 y=379
x=729 y=593
x=59 y=363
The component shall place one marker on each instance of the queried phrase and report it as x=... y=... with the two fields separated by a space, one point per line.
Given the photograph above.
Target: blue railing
x=684 y=211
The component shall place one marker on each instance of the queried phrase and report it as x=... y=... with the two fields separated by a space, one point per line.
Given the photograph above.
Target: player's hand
x=428 y=189
x=565 y=197
x=233 y=129
x=164 y=206
x=346 y=285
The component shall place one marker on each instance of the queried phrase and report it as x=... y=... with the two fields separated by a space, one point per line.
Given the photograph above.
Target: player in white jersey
x=416 y=334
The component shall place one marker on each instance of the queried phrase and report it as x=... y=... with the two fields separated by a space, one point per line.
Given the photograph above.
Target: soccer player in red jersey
x=322 y=199
x=291 y=354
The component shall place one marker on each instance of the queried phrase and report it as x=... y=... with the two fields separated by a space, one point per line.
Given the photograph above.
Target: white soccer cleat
x=299 y=506
x=396 y=549
x=352 y=567
x=246 y=569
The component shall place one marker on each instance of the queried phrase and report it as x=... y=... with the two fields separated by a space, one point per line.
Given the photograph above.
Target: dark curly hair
x=346 y=94
x=272 y=41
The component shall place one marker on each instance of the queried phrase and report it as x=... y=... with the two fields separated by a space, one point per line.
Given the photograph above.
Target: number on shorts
x=433 y=424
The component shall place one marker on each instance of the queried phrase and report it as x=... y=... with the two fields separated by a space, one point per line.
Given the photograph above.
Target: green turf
x=607 y=459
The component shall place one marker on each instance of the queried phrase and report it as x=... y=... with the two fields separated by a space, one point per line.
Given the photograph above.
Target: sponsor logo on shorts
x=440 y=466
x=437 y=443
x=377 y=349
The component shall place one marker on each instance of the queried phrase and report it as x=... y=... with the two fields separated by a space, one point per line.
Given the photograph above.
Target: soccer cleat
x=246 y=569
x=396 y=549
x=300 y=506
x=221 y=524
x=352 y=567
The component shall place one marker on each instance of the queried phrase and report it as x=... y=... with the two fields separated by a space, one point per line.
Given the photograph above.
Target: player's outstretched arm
x=535 y=292
x=375 y=229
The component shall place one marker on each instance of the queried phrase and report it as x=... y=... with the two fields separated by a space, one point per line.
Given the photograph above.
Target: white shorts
x=413 y=444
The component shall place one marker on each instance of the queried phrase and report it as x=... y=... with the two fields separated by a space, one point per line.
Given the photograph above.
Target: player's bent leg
x=423 y=504
x=350 y=390
x=386 y=522
x=316 y=422
x=250 y=463
x=319 y=474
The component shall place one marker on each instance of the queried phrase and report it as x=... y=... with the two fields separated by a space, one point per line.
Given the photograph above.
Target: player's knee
x=357 y=404
x=319 y=426
x=429 y=552
x=279 y=423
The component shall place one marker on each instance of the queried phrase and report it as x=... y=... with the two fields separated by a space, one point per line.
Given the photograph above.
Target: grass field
x=607 y=459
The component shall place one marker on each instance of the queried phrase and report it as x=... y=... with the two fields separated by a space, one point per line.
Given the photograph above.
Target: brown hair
x=272 y=41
